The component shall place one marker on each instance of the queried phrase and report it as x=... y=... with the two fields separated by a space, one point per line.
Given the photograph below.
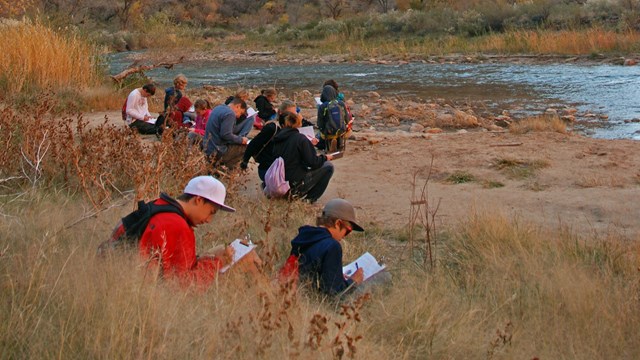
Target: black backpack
x=130 y=228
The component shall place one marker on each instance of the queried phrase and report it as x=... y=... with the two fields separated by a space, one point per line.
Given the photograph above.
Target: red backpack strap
x=289 y=271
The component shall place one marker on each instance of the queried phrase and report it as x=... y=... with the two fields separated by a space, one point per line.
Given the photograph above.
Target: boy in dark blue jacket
x=319 y=251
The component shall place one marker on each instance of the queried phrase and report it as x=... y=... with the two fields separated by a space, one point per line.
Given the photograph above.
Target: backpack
x=275 y=182
x=335 y=118
x=289 y=272
x=130 y=228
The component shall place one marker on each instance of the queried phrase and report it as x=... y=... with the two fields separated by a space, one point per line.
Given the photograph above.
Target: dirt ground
x=589 y=186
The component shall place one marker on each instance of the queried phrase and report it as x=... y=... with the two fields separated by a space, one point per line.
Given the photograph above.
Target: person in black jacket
x=264 y=104
x=308 y=173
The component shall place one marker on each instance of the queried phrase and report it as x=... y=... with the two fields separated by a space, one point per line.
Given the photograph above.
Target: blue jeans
x=242 y=128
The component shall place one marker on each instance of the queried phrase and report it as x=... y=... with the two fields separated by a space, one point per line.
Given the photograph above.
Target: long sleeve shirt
x=137 y=106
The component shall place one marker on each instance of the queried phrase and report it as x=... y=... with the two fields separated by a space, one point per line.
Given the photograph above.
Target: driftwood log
x=142 y=68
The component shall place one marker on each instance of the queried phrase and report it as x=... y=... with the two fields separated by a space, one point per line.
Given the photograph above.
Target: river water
x=518 y=88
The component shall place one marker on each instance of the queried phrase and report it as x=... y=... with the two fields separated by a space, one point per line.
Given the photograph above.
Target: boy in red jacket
x=169 y=240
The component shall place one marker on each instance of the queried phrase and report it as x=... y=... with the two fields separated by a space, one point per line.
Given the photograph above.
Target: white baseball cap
x=209 y=188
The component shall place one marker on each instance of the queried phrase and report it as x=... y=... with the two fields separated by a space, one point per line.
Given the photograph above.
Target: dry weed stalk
x=351 y=316
x=100 y=161
x=422 y=213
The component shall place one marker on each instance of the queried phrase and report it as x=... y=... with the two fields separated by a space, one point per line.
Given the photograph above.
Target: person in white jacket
x=137 y=109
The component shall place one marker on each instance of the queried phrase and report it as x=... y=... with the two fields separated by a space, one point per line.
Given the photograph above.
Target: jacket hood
x=310 y=235
x=284 y=134
x=329 y=93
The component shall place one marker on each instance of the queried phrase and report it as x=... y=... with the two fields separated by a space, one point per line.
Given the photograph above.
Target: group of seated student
x=168 y=243
x=223 y=134
x=169 y=240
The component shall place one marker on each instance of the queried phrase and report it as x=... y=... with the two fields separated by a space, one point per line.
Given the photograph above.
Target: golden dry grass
x=500 y=289
x=35 y=57
x=539 y=123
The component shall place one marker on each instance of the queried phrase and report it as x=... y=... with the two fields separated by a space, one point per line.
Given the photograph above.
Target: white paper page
x=367 y=262
x=318 y=102
x=251 y=112
x=151 y=120
x=308 y=132
x=240 y=251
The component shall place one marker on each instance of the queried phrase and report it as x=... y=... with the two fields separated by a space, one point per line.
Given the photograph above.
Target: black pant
x=144 y=127
x=315 y=182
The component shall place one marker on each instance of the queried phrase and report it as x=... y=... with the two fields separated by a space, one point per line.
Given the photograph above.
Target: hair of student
x=149 y=88
x=241 y=93
x=285 y=105
x=202 y=104
x=187 y=197
x=326 y=221
x=180 y=78
x=332 y=83
x=288 y=119
x=237 y=100
x=269 y=91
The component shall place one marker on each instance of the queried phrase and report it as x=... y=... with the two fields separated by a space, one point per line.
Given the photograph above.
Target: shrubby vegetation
x=133 y=24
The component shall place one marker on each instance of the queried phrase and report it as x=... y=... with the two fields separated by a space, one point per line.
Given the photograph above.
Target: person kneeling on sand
x=319 y=251
x=169 y=241
x=308 y=173
x=225 y=140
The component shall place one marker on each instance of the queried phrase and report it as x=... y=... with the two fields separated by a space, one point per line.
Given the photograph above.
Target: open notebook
x=241 y=250
x=367 y=262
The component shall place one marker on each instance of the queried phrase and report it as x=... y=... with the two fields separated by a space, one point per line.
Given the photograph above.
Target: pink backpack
x=274 y=180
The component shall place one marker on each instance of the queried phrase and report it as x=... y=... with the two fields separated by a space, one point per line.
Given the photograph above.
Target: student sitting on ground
x=225 y=140
x=177 y=105
x=169 y=241
x=308 y=174
x=137 y=110
x=261 y=146
x=264 y=105
x=203 y=111
x=319 y=251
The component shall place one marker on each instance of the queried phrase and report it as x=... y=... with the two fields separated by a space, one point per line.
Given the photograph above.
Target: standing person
x=225 y=140
x=319 y=250
x=137 y=109
x=308 y=174
x=169 y=241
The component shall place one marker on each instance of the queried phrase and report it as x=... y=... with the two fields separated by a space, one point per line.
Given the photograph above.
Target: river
x=521 y=89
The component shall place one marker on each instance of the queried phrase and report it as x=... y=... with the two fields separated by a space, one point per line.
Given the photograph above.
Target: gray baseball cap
x=343 y=210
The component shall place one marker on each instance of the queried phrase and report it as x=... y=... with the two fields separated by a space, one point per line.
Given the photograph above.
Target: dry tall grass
x=33 y=57
x=501 y=289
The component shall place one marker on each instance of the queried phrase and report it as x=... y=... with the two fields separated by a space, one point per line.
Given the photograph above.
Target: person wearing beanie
x=319 y=251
